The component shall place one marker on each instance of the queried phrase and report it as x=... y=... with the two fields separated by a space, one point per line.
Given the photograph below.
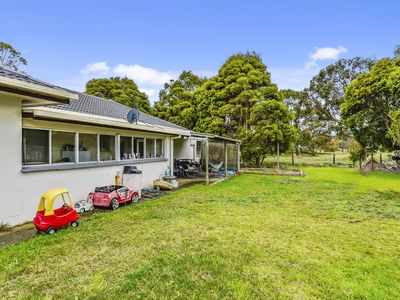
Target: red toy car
x=113 y=195
x=48 y=219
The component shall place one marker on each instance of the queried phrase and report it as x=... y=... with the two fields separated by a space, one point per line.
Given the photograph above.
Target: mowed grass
x=333 y=234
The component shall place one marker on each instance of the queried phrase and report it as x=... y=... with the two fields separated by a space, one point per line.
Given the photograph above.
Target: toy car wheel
x=114 y=204
x=74 y=224
x=82 y=210
x=50 y=230
x=91 y=208
x=135 y=198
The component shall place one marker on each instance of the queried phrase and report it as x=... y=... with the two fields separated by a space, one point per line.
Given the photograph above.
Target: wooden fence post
x=226 y=159
x=207 y=161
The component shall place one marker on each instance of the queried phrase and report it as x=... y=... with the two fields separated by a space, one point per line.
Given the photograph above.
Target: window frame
x=135 y=141
x=51 y=147
x=112 y=147
x=23 y=146
x=78 y=161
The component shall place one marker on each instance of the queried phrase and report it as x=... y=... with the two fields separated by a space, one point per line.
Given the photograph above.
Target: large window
x=159 y=148
x=150 y=150
x=125 y=147
x=107 y=147
x=139 y=148
x=87 y=147
x=35 y=147
x=43 y=147
x=62 y=147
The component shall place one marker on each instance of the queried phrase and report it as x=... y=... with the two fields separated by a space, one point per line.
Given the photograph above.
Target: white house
x=52 y=137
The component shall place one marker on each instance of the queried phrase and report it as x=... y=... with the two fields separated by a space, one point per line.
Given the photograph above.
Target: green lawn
x=333 y=234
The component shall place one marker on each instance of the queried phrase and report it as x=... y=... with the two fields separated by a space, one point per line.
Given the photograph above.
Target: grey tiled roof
x=89 y=104
x=26 y=78
x=93 y=105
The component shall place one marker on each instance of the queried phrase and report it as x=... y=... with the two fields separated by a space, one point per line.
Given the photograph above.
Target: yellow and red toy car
x=48 y=219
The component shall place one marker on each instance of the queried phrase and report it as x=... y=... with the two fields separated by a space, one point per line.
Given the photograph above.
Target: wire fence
x=320 y=160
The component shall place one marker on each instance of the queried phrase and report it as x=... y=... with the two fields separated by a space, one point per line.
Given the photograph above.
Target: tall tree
x=10 y=58
x=176 y=100
x=327 y=88
x=369 y=103
x=119 y=89
x=270 y=129
x=224 y=102
x=304 y=118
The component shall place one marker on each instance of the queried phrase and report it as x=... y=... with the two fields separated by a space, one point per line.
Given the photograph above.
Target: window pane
x=198 y=148
x=87 y=147
x=35 y=147
x=62 y=147
x=107 y=147
x=139 y=148
x=159 y=148
x=125 y=147
x=150 y=148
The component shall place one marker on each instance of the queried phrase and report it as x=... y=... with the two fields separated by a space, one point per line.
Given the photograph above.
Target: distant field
x=320 y=159
x=333 y=234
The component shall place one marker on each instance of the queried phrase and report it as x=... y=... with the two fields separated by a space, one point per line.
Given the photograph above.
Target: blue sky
x=70 y=42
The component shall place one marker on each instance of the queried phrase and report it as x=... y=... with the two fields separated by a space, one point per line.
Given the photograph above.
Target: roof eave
x=75 y=117
x=34 y=94
x=213 y=136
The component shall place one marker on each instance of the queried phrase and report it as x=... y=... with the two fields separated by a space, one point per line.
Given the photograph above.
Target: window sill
x=86 y=165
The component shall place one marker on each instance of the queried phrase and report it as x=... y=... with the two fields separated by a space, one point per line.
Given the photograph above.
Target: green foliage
x=270 y=127
x=241 y=82
x=10 y=58
x=312 y=134
x=370 y=101
x=394 y=129
x=241 y=102
x=334 y=144
x=119 y=89
x=176 y=100
x=358 y=153
x=327 y=89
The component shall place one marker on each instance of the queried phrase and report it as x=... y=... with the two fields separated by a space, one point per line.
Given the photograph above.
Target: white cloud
x=299 y=78
x=327 y=53
x=142 y=74
x=97 y=67
x=149 y=92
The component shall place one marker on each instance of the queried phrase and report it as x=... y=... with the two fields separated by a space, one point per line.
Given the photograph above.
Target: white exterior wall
x=186 y=149
x=21 y=191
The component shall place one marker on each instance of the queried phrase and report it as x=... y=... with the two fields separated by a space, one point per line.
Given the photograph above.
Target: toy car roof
x=54 y=193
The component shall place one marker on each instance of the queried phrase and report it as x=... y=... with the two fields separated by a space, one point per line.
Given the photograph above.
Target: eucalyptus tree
x=11 y=58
